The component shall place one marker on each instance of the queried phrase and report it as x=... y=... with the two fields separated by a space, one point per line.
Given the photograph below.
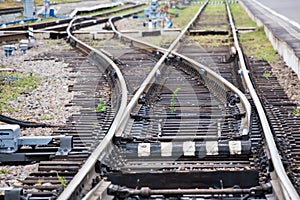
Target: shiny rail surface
x=90 y=163
x=169 y=52
x=289 y=191
x=68 y=192
x=57 y=29
x=125 y=109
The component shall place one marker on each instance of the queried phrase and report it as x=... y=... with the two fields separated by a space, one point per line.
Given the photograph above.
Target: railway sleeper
x=197 y=149
x=232 y=193
x=186 y=179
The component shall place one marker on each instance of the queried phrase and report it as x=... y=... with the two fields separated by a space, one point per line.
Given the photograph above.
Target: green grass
x=62 y=180
x=296 y=112
x=211 y=41
x=172 y=107
x=267 y=74
x=241 y=18
x=13 y=84
x=184 y=15
x=3 y=171
x=46 y=118
x=101 y=107
x=254 y=43
x=257 y=44
x=218 y=11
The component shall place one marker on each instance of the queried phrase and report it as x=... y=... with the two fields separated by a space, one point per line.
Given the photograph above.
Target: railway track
x=57 y=29
x=87 y=127
x=282 y=116
x=187 y=125
x=188 y=142
x=4 y=11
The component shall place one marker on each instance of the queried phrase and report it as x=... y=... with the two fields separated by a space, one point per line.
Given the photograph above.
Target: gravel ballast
x=45 y=104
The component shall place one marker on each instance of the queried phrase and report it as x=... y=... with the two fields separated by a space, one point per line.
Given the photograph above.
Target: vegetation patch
x=254 y=43
x=241 y=18
x=213 y=23
x=62 y=180
x=296 y=112
x=13 y=84
x=212 y=41
x=267 y=74
x=101 y=107
x=185 y=15
x=3 y=171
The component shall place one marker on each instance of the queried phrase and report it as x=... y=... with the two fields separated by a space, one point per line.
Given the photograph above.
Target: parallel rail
x=124 y=113
x=58 y=27
x=171 y=51
x=289 y=191
x=89 y=166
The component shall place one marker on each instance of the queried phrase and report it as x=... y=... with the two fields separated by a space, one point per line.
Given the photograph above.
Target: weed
x=211 y=41
x=62 y=180
x=13 y=84
x=184 y=15
x=296 y=112
x=267 y=74
x=101 y=106
x=3 y=171
x=39 y=182
x=241 y=18
x=254 y=43
x=172 y=107
x=46 y=118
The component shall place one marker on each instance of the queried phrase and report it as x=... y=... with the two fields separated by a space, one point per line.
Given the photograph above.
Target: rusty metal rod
x=147 y=191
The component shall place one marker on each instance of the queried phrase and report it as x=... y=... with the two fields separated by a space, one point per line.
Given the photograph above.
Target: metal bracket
x=13 y=194
x=66 y=145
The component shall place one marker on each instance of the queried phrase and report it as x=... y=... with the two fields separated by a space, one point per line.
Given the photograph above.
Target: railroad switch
x=43 y=146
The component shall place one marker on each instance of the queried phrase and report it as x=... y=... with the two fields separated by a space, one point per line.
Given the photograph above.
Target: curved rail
x=90 y=163
x=287 y=186
x=123 y=114
x=171 y=51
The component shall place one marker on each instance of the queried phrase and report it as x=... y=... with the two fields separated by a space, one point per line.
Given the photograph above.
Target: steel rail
x=67 y=193
x=66 y=21
x=170 y=51
x=287 y=186
x=93 y=158
x=245 y=126
x=150 y=78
